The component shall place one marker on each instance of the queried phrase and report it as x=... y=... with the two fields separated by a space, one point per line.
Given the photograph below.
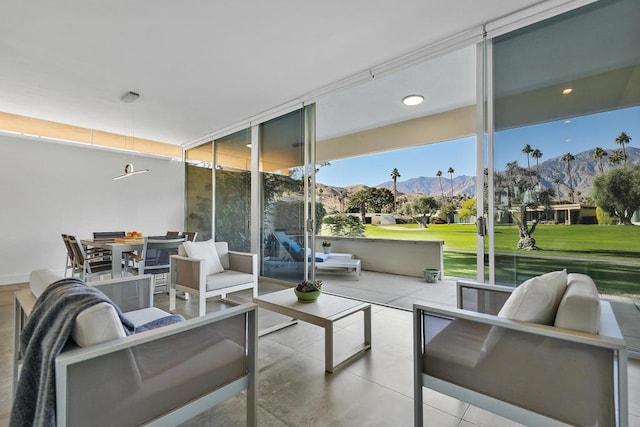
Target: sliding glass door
x=566 y=107
x=282 y=197
x=233 y=190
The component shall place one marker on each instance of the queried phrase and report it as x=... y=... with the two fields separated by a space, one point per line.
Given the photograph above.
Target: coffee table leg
x=367 y=326
x=328 y=347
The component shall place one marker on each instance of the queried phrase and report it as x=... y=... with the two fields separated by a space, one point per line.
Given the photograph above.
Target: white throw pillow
x=97 y=324
x=580 y=306
x=537 y=299
x=206 y=251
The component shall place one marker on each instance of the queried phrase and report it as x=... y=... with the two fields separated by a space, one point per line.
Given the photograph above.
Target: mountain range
x=583 y=169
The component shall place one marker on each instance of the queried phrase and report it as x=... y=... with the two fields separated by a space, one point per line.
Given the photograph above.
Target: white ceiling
x=203 y=65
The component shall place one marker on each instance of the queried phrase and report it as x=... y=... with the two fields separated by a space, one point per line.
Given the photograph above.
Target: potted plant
x=308 y=291
x=326 y=247
x=431 y=275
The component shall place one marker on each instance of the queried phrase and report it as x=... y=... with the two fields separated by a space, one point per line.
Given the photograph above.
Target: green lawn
x=572 y=241
x=609 y=254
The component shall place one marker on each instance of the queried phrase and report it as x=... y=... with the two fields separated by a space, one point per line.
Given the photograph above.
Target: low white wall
x=405 y=257
x=47 y=189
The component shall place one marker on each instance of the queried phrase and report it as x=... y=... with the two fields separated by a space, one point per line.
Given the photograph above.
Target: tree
x=617 y=156
x=599 y=154
x=617 y=192
x=536 y=154
x=451 y=171
x=395 y=175
x=342 y=195
x=623 y=139
x=556 y=181
x=568 y=158
x=527 y=150
x=425 y=207
x=344 y=225
x=522 y=194
x=468 y=208
x=370 y=200
x=439 y=175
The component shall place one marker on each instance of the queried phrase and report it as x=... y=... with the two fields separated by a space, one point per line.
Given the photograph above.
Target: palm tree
x=451 y=171
x=536 y=154
x=527 y=149
x=342 y=195
x=616 y=156
x=568 y=158
x=598 y=154
x=623 y=139
x=556 y=181
x=394 y=176
x=439 y=175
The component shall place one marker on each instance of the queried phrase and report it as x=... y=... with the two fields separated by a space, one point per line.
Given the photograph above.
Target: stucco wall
x=406 y=257
x=47 y=189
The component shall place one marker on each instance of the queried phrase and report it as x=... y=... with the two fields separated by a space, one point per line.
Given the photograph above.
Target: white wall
x=47 y=189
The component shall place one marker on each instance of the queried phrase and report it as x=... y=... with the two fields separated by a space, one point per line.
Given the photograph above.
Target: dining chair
x=190 y=236
x=155 y=256
x=89 y=263
x=70 y=264
x=173 y=233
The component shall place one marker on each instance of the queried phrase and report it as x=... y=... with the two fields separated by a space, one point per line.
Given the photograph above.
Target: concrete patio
x=375 y=389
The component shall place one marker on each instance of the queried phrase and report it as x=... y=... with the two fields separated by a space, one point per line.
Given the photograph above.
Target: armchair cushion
x=580 y=306
x=227 y=279
x=206 y=251
x=537 y=299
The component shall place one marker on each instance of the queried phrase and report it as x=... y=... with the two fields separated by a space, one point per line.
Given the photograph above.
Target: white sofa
x=548 y=352
x=209 y=269
x=163 y=376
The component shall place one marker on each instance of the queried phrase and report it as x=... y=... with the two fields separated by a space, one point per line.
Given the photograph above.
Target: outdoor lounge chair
x=165 y=375
x=552 y=355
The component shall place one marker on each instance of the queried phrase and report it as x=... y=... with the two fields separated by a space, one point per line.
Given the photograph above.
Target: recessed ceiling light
x=413 y=99
x=567 y=91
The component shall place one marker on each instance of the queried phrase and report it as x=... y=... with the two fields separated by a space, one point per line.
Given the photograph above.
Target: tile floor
x=374 y=390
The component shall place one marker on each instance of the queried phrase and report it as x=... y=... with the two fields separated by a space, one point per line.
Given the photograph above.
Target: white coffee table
x=323 y=312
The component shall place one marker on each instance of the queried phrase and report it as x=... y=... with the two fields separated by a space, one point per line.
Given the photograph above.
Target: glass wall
x=566 y=107
x=281 y=163
x=388 y=170
x=233 y=190
x=199 y=190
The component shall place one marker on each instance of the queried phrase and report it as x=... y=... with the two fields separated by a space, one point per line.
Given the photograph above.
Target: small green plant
x=326 y=244
x=309 y=286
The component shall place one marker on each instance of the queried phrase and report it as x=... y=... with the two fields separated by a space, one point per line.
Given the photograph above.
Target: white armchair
x=211 y=270
x=540 y=354
x=162 y=376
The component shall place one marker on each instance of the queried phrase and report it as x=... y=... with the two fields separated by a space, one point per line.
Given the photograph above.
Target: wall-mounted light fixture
x=128 y=171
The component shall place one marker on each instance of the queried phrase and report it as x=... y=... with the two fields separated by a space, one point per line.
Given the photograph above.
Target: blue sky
x=553 y=139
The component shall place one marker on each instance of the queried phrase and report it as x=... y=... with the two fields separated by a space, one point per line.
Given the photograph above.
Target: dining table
x=117 y=248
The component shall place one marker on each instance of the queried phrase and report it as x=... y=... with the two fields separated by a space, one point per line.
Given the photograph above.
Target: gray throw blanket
x=44 y=337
